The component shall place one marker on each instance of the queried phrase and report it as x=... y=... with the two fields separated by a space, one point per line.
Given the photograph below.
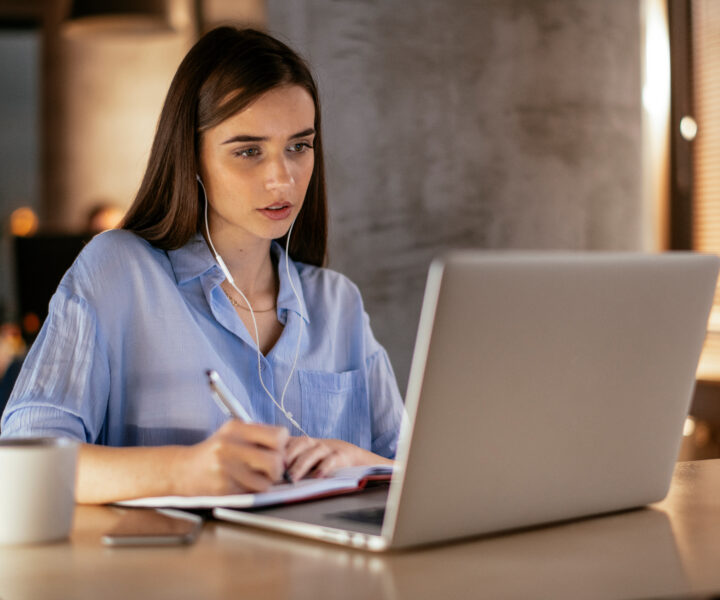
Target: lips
x=277 y=211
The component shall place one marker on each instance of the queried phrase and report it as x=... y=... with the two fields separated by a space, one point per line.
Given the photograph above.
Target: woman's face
x=257 y=164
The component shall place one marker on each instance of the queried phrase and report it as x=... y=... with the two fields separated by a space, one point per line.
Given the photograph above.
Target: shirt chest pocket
x=335 y=405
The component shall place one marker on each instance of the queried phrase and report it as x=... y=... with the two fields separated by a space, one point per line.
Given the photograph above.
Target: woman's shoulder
x=115 y=243
x=111 y=256
x=322 y=282
x=118 y=248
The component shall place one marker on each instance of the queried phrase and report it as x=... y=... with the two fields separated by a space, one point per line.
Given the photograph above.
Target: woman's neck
x=250 y=264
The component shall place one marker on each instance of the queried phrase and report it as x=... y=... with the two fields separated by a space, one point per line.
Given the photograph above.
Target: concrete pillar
x=488 y=124
x=248 y=13
x=109 y=77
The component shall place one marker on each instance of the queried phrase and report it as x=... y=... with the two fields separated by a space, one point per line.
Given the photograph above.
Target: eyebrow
x=255 y=138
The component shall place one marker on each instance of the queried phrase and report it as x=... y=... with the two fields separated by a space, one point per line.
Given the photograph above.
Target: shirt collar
x=194 y=259
x=286 y=296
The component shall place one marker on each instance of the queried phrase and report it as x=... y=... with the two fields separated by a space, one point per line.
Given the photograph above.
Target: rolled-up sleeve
x=63 y=387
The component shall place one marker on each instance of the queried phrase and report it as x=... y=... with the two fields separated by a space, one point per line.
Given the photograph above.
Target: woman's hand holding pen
x=239 y=457
x=250 y=457
x=302 y=455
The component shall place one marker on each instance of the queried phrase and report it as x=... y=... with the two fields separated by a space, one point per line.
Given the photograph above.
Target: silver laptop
x=543 y=387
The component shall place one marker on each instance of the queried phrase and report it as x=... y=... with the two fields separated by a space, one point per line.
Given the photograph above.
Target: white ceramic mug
x=37 y=489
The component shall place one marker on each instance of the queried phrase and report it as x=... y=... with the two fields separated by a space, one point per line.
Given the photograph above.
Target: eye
x=247 y=152
x=300 y=147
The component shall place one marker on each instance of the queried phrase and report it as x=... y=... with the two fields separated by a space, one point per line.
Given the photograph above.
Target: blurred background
x=498 y=124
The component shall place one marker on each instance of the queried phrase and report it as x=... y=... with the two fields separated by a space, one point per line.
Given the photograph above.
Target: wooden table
x=669 y=550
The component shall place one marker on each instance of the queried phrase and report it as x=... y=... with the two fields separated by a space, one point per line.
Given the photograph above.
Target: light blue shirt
x=131 y=330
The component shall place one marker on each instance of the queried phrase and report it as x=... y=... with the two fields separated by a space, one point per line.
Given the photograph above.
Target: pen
x=230 y=405
x=224 y=398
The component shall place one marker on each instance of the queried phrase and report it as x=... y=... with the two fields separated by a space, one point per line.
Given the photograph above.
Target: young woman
x=218 y=265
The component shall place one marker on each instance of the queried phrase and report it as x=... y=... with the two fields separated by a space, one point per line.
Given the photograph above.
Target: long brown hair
x=239 y=64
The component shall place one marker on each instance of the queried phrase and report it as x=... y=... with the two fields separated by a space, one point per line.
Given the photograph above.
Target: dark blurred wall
x=490 y=124
x=19 y=140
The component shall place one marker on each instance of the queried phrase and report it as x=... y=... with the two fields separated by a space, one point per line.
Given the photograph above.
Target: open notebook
x=342 y=481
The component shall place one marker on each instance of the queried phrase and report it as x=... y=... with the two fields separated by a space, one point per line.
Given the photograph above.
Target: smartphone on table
x=154 y=527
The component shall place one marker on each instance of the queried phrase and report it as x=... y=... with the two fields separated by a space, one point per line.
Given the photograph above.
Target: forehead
x=280 y=112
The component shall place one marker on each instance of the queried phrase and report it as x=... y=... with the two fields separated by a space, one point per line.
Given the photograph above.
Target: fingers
x=329 y=464
x=323 y=456
x=252 y=473
x=243 y=480
x=237 y=459
x=296 y=446
x=245 y=457
x=268 y=436
x=306 y=456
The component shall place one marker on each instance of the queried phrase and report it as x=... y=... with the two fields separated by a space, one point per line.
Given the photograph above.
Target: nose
x=279 y=175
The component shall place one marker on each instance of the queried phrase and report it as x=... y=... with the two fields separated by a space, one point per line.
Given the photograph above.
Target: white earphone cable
x=223 y=267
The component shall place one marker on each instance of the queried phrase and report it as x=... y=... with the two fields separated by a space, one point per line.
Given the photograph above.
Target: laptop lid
x=546 y=387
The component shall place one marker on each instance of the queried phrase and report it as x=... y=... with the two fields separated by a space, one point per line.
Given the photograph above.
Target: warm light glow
x=656 y=87
x=656 y=125
x=689 y=427
x=104 y=218
x=23 y=222
x=688 y=128
x=31 y=323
